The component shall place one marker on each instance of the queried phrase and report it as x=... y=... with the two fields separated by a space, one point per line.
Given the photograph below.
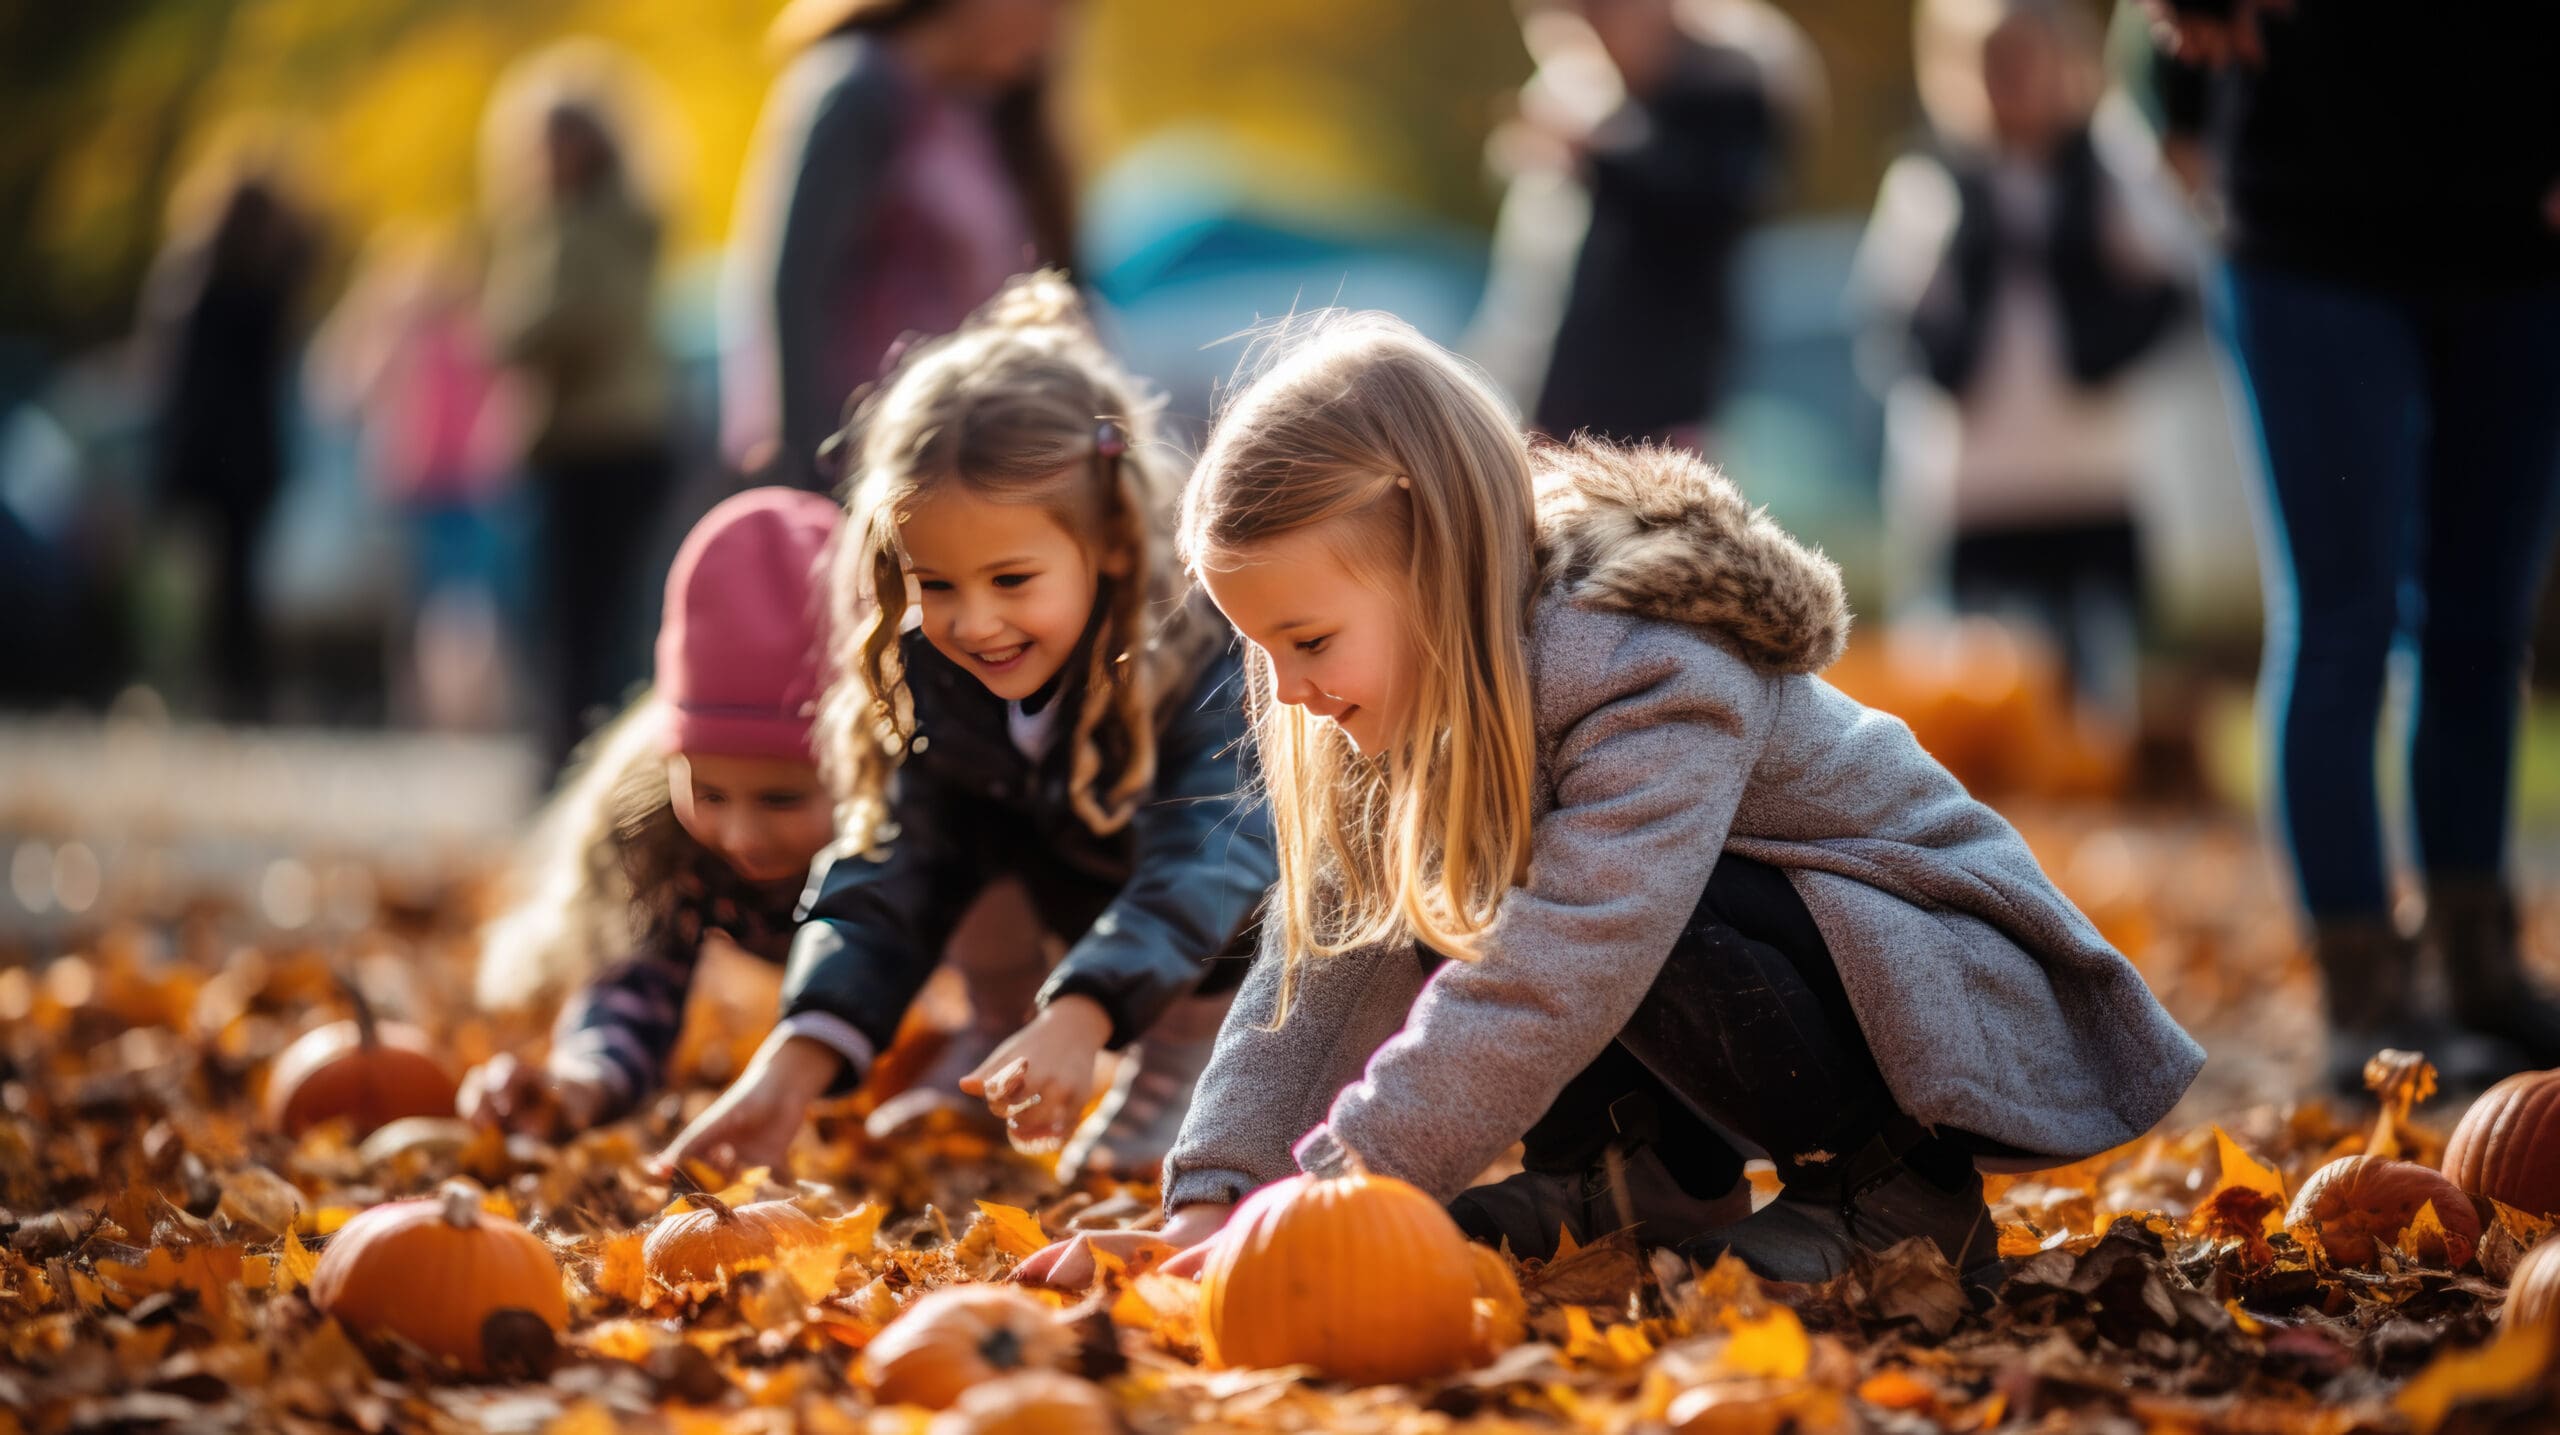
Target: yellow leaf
x=2523 y=1225
x=857 y=1232
x=1017 y=1231
x=207 y=1270
x=620 y=1271
x=1566 y=1245
x=295 y=1263
x=2507 y=1366
x=2244 y=1172
x=1772 y=1346
x=2428 y=1240
x=629 y=1340
x=257 y=1273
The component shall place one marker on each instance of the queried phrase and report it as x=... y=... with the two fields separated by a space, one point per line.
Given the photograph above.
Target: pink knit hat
x=742 y=648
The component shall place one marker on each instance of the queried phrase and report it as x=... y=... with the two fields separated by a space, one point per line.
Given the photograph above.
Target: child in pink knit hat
x=698 y=810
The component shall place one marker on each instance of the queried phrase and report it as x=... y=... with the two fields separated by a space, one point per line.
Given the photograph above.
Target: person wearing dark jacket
x=1677 y=172
x=1058 y=712
x=902 y=170
x=222 y=307
x=2391 y=178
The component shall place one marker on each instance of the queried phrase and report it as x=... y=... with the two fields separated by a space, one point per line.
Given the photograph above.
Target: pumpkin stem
x=694 y=1190
x=367 y=1033
x=461 y=1204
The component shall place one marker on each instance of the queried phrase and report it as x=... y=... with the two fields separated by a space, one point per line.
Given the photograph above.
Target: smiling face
x=767 y=817
x=1006 y=590
x=1339 y=641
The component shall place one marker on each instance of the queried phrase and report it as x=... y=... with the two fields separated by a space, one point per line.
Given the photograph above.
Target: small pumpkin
x=2360 y=1204
x=2533 y=1291
x=718 y=1240
x=1359 y=1275
x=2507 y=1146
x=433 y=1270
x=365 y=1072
x=961 y=1336
x=1032 y=1402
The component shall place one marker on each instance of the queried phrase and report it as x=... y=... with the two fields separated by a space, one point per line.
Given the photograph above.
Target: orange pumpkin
x=363 y=1072
x=962 y=1336
x=2533 y=1292
x=433 y=1270
x=708 y=1245
x=1033 y=1402
x=2360 y=1204
x=2507 y=1146
x=1359 y=1275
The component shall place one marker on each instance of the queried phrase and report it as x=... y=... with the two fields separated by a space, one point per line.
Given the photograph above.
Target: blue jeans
x=2410 y=446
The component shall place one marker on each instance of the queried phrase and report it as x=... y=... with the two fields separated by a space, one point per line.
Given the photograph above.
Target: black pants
x=2082 y=582
x=601 y=514
x=1747 y=1028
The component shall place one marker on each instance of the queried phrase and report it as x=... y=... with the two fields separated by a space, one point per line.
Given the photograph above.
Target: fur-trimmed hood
x=1662 y=534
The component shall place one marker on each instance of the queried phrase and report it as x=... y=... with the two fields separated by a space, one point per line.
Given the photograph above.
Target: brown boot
x=2368 y=974
x=2472 y=930
x=1001 y=953
x=1127 y=1136
x=1903 y=1183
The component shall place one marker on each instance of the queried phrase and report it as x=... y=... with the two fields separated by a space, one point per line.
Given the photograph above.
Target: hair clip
x=1108 y=440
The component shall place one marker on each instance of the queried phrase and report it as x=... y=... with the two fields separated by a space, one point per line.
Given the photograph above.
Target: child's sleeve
x=1647 y=782
x=873 y=931
x=1266 y=1085
x=1202 y=864
x=619 y=1029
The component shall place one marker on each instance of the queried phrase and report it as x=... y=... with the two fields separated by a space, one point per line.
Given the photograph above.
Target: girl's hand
x=754 y=1120
x=1040 y=1078
x=517 y=1096
x=1069 y=1265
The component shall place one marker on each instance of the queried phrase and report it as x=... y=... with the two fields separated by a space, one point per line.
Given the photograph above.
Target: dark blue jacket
x=1147 y=907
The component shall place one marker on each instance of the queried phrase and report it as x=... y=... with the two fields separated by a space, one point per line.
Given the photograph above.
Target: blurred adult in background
x=219 y=320
x=903 y=168
x=2016 y=270
x=2390 y=176
x=405 y=355
x=1674 y=118
x=574 y=247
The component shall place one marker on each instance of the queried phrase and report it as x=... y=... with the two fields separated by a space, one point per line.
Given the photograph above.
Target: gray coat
x=1673 y=659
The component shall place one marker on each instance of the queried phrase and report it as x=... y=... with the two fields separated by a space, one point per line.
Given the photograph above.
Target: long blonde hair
x=598 y=867
x=1021 y=404
x=1357 y=420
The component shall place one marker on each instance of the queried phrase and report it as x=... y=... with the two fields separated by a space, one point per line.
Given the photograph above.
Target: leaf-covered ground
x=158 y=1239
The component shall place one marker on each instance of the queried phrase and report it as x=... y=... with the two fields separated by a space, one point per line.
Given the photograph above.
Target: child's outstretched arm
x=867 y=942
x=1649 y=773
x=609 y=1049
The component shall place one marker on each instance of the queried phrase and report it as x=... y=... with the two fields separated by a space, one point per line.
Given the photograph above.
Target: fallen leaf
x=2511 y=1363
x=1771 y=1346
x=1017 y=1231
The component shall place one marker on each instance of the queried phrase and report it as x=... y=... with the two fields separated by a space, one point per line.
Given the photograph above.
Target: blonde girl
x=1024 y=692
x=1577 y=850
